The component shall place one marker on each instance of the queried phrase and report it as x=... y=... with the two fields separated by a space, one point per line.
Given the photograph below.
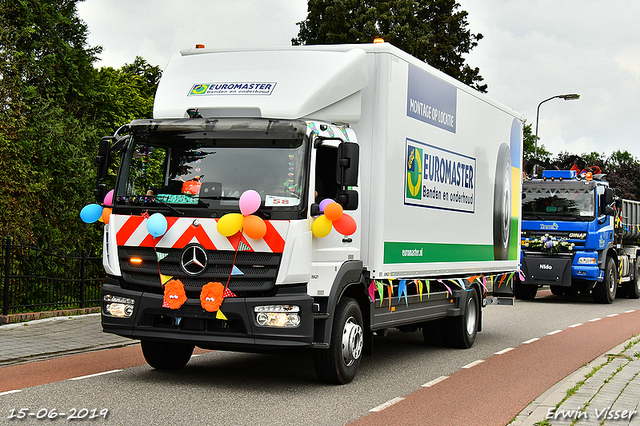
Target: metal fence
x=39 y=279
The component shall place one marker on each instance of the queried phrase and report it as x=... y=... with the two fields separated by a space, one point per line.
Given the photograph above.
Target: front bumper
x=192 y=324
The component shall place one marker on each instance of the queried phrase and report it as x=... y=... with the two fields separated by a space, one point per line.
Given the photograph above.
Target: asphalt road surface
x=247 y=389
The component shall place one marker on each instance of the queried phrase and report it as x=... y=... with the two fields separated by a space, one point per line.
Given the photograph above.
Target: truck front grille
x=255 y=272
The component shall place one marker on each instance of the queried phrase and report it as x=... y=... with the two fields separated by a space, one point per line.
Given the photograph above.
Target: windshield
x=187 y=171
x=542 y=201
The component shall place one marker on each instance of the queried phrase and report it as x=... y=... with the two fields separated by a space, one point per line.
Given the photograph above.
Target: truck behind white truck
x=220 y=234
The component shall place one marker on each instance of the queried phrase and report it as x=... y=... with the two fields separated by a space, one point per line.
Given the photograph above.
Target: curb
x=537 y=410
x=31 y=316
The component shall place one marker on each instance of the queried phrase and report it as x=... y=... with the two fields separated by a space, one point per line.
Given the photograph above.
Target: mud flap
x=547 y=270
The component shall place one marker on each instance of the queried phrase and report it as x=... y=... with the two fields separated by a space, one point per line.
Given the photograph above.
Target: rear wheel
x=166 y=355
x=339 y=364
x=462 y=330
x=605 y=291
x=633 y=287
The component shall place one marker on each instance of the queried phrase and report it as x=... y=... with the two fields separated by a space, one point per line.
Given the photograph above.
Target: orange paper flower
x=174 y=294
x=211 y=296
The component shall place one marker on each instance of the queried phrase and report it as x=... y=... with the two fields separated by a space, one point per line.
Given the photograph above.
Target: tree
x=434 y=31
x=55 y=108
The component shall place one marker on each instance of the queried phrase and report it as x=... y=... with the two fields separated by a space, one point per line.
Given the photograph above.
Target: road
x=247 y=389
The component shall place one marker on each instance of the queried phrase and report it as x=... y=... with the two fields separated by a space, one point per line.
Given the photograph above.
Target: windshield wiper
x=170 y=207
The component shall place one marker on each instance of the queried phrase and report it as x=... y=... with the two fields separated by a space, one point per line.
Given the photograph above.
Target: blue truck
x=578 y=236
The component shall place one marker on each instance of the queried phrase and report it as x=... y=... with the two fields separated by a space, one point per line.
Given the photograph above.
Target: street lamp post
x=568 y=97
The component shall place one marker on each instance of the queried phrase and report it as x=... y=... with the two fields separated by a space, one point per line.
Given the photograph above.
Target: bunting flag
x=390 y=291
x=428 y=284
x=521 y=275
x=448 y=289
x=372 y=291
x=220 y=315
x=165 y=279
x=463 y=285
x=380 y=287
x=228 y=293
x=502 y=280
x=236 y=271
x=484 y=284
x=402 y=289
x=418 y=288
x=161 y=255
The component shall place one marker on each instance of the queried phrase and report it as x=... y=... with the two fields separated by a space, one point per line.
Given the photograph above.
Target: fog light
x=117 y=306
x=587 y=261
x=278 y=316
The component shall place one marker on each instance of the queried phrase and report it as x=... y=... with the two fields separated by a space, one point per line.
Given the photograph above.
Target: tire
x=502 y=204
x=633 y=287
x=605 y=291
x=524 y=291
x=463 y=330
x=433 y=332
x=556 y=290
x=339 y=364
x=166 y=355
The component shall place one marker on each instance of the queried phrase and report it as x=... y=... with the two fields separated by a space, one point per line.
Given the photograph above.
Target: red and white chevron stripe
x=132 y=231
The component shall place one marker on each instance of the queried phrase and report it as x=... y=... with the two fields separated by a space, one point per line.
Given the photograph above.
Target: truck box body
x=436 y=202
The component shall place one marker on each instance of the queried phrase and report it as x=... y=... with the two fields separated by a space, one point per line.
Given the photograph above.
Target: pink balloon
x=249 y=202
x=108 y=199
x=324 y=203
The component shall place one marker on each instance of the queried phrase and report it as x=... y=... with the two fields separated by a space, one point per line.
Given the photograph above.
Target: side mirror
x=104 y=149
x=348 y=199
x=605 y=202
x=348 y=163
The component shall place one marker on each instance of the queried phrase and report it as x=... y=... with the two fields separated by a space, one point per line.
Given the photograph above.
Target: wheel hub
x=352 y=341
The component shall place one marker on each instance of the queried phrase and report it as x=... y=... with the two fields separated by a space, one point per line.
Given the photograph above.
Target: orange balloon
x=254 y=227
x=106 y=212
x=346 y=225
x=333 y=211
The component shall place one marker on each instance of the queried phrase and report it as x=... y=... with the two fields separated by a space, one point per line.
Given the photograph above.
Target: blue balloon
x=90 y=213
x=157 y=225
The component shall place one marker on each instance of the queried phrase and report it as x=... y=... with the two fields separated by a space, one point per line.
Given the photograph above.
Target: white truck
x=309 y=198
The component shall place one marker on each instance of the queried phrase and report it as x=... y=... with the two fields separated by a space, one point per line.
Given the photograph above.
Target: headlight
x=117 y=306
x=278 y=315
x=587 y=261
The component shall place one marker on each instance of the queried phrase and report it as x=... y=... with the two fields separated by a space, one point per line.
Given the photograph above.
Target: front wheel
x=524 y=291
x=605 y=291
x=339 y=364
x=166 y=355
x=462 y=330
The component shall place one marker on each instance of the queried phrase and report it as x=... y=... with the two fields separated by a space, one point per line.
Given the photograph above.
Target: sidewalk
x=51 y=337
x=604 y=392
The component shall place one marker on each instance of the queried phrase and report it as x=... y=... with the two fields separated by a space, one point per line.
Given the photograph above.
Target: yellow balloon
x=321 y=227
x=230 y=224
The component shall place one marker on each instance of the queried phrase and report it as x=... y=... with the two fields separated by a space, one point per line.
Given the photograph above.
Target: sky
x=531 y=51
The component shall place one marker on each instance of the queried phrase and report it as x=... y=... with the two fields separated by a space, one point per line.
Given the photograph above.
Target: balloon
x=90 y=213
x=321 y=227
x=157 y=225
x=254 y=227
x=106 y=212
x=230 y=224
x=108 y=199
x=249 y=202
x=346 y=225
x=324 y=203
x=333 y=211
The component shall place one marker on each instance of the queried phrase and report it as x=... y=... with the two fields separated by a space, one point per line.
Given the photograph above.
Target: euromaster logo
x=233 y=88
x=414 y=172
